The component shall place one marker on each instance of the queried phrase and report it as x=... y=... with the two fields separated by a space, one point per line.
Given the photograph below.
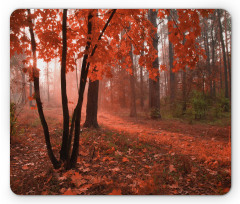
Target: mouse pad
x=120 y=102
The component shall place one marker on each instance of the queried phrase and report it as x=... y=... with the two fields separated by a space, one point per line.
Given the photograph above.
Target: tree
x=92 y=104
x=224 y=53
x=72 y=35
x=63 y=152
x=133 y=109
x=35 y=75
x=154 y=89
x=172 y=74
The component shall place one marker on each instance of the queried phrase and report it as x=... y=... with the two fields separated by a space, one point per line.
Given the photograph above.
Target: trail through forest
x=125 y=156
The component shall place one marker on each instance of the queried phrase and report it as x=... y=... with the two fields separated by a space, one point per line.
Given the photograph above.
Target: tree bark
x=184 y=87
x=83 y=79
x=213 y=57
x=213 y=67
x=172 y=74
x=65 y=134
x=141 y=88
x=53 y=159
x=154 y=87
x=228 y=58
x=23 y=88
x=133 y=110
x=48 y=82
x=92 y=105
x=30 y=93
x=224 y=54
x=76 y=74
x=206 y=44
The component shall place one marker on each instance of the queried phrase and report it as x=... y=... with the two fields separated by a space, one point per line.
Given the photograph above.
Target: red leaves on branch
x=129 y=27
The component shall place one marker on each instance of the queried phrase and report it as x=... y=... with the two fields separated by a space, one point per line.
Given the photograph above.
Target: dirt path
x=193 y=140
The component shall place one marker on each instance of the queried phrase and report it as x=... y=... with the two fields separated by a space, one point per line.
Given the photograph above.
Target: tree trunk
x=228 y=58
x=76 y=74
x=63 y=151
x=48 y=83
x=154 y=87
x=141 y=88
x=53 y=159
x=172 y=74
x=92 y=105
x=224 y=54
x=220 y=67
x=206 y=44
x=23 y=88
x=83 y=79
x=133 y=110
x=141 y=77
x=213 y=59
x=30 y=93
x=184 y=88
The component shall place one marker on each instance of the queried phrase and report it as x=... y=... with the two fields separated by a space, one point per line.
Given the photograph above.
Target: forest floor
x=125 y=156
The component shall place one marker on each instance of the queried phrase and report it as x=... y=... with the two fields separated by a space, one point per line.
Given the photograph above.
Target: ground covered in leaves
x=125 y=156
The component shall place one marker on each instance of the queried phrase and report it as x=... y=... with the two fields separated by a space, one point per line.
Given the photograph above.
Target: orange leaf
x=110 y=151
x=69 y=192
x=226 y=190
x=125 y=159
x=25 y=167
x=116 y=192
x=171 y=168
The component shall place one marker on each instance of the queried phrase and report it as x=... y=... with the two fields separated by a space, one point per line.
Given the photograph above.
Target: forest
x=120 y=102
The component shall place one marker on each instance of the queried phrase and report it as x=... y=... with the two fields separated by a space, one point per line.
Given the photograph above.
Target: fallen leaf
x=171 y=168
x=83 y=153
x=110 y=151
x=116 y=192
x=78 y=180
x=25 y=167
x=69 y=192
x=117 y=153
x=44 y=193
x=115 y=169
x=226 y=190
x=84 y=188
x=125 y=159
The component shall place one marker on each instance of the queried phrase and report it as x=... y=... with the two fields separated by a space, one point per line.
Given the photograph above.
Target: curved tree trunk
x=53 y=159
x=83 y=79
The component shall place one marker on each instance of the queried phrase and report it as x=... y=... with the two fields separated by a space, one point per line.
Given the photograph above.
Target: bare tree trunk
x=133 y=110
x=65 y=134
x=172 y=75
x=141 y=88
x=23 y=88
x=224 y=54
x=206 y=44
x=53 y=159
x=220 y=67
x=76 y=73
x=213 y=58
x=154 y=86
x=184 y=88
x=30 y=93
x=228 y=58
x=48 y=82
x=92 y=105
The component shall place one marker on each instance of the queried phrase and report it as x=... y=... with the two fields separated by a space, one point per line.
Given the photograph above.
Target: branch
x=104 y=28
